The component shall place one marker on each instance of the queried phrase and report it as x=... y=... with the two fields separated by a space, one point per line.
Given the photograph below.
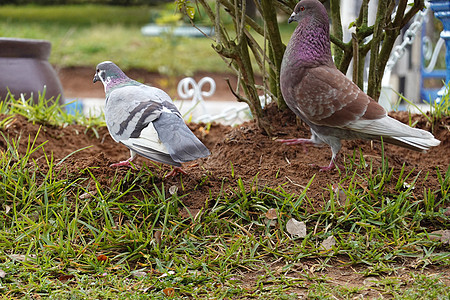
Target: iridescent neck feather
x=310 y=43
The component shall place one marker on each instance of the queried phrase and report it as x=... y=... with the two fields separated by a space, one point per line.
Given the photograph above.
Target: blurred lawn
x=85 y=35
x=76 y=14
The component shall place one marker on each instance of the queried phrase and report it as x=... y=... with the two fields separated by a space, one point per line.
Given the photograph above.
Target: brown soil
x=244 y=151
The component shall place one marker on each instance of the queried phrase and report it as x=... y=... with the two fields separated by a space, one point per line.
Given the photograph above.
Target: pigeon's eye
x=98 y=70
x=302 y=8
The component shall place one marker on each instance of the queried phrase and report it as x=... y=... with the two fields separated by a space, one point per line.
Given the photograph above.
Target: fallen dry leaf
x=339 y=193
x=271 y=214
x=328 y=243
x=167 y=274
x=137 y=274
x=2 y=273
x=21 y=257
x=102 y=257
x=447 y=211
x=88 y=195
x=188 y=212
x=296 y=228
x=173 y=189
x=158 y=238
x=441 y=235
x=169 y=292
x=65 y=277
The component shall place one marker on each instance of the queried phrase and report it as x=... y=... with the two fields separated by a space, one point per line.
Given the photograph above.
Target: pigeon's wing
x=129 y=109
x=179 y=140
x=328 y=98
x=149 y=145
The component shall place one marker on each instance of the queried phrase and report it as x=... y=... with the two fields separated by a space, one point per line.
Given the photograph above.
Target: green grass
x=67 y=237
x=77 y=15
x=93 y=33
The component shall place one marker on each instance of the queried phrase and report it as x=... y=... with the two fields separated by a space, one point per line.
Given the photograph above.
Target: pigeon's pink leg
x=314 y=141
x=175 y=171
x=126 y=163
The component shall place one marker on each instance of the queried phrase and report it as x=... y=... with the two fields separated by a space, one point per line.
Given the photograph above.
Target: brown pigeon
x=325 y=99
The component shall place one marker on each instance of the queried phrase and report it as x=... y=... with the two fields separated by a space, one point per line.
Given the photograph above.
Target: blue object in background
x=430 y=94
x=74 y=106
x=441 y=10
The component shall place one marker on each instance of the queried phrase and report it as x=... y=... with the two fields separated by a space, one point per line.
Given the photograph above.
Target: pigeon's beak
x=291 y=18
x=96 y=78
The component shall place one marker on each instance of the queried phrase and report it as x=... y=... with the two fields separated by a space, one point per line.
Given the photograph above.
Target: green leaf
x=190 y=11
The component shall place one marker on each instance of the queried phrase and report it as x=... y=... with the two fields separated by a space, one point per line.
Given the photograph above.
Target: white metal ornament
x=188 y=88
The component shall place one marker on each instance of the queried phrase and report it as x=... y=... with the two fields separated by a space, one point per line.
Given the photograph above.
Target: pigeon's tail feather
x=152 y=154
x=181 y=143
x=413 y=143
x=408 y=137
x=397 y=133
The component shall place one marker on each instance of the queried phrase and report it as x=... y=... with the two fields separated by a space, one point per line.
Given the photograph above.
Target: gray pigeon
x=325 y=99
x=145 y=120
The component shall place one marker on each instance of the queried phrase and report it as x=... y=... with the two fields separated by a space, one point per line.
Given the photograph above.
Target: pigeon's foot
x=330 y=167
x=125 y=163
x=175 y=171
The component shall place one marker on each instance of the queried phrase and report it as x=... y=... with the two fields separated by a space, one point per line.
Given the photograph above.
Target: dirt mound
x=243 y=152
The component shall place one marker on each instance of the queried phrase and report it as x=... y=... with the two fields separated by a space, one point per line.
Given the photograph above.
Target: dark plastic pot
x=24 y=68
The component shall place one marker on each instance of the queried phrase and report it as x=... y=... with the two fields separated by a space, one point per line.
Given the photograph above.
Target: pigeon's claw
x=175 y=172
x=330 y=167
